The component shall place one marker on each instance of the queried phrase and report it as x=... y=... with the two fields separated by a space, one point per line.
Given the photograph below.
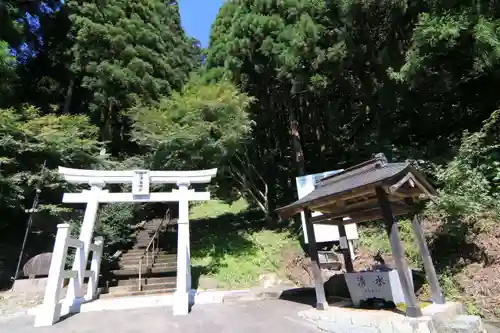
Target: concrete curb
x=14 y=315
x=261 y=294
x=197 y=297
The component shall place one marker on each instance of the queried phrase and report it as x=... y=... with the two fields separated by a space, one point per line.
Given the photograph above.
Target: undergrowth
x=232 y=247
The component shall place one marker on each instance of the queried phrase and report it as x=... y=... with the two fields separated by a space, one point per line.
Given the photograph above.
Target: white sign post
x=140 y=180
x=323 y=232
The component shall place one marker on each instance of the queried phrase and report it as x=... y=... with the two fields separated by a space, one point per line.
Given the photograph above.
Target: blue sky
x=197 y=17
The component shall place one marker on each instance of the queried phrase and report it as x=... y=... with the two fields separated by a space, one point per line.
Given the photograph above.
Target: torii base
x=50 y=314
x=181 y=304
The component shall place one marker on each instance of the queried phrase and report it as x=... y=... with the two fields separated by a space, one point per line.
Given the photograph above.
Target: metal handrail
x=152 y=244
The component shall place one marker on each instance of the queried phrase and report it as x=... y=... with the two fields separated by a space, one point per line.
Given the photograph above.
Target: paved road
x=275 y=316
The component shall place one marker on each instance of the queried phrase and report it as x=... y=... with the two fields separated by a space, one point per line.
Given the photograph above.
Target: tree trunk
x=296 y=145
x=69 y=97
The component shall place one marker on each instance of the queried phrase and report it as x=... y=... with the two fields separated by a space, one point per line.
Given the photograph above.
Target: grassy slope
x=231 y=247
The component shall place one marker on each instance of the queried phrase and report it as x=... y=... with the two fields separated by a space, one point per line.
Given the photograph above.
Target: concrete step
x=165 y=260
x=144 y=234
x=133 y=257
x=158 y=257
x=134 y=260
x=138 y=293
x=153 y=271
x=157 y=260
x=143 y=237
x=168 y=266
x=145 y=240
x=141 y=244
x=148 y=287
x=149 y=281
x=166 y=255
x=134 y=265
x=133 y=252
x=157 y=264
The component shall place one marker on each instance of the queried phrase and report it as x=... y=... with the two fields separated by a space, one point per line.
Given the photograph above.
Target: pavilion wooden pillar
x=345 y=247
x=430 y=272
x=321 y=303
x=412 y=308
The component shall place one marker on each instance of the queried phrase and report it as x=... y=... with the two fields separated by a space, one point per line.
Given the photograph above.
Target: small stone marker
x=38 y=265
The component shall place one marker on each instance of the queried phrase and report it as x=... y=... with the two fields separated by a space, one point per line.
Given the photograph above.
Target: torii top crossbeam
x=80 y=176
x=140 y=180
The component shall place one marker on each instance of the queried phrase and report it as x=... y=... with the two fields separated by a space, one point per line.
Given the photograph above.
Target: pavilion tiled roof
x=372 y=173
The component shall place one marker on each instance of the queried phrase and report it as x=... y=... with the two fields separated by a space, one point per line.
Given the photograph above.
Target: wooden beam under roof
x=372 y=214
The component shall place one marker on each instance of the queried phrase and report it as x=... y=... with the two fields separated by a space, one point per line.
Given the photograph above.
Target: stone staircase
x=158 y=275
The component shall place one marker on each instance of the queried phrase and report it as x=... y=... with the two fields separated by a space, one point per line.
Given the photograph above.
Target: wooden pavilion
x=373 y=190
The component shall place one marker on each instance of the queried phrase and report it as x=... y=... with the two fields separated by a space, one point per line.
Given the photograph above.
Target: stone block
x=414 y=325
x=464 y=324
x=443 y=313
x=29 y=286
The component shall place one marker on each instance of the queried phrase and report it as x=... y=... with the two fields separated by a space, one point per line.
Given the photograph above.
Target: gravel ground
x=13 y=303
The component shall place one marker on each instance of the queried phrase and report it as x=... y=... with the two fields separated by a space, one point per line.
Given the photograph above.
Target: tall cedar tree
x=126 y=52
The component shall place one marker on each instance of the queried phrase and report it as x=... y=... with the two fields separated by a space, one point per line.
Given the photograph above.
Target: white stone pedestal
x=376 y=284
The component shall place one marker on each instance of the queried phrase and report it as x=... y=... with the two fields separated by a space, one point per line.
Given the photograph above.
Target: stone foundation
x=447 y=318
x=29 y=286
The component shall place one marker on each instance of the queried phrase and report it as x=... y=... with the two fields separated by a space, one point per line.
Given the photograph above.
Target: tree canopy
x=199 y=127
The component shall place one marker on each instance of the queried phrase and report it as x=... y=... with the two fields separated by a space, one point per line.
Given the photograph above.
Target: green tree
x=200 y=127
x=125 y=52
x=7 y=74
x=30 y=141
x=44 y=78
x=253 y=41
x=346 y=79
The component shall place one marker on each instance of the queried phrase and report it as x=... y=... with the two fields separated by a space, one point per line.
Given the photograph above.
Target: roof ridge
x=378 y=158
x=376 y=163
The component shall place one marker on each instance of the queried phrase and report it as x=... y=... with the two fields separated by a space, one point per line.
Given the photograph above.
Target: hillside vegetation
x=283 y=89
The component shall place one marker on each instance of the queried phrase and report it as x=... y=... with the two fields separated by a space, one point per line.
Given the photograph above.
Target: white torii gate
x=140 y=180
